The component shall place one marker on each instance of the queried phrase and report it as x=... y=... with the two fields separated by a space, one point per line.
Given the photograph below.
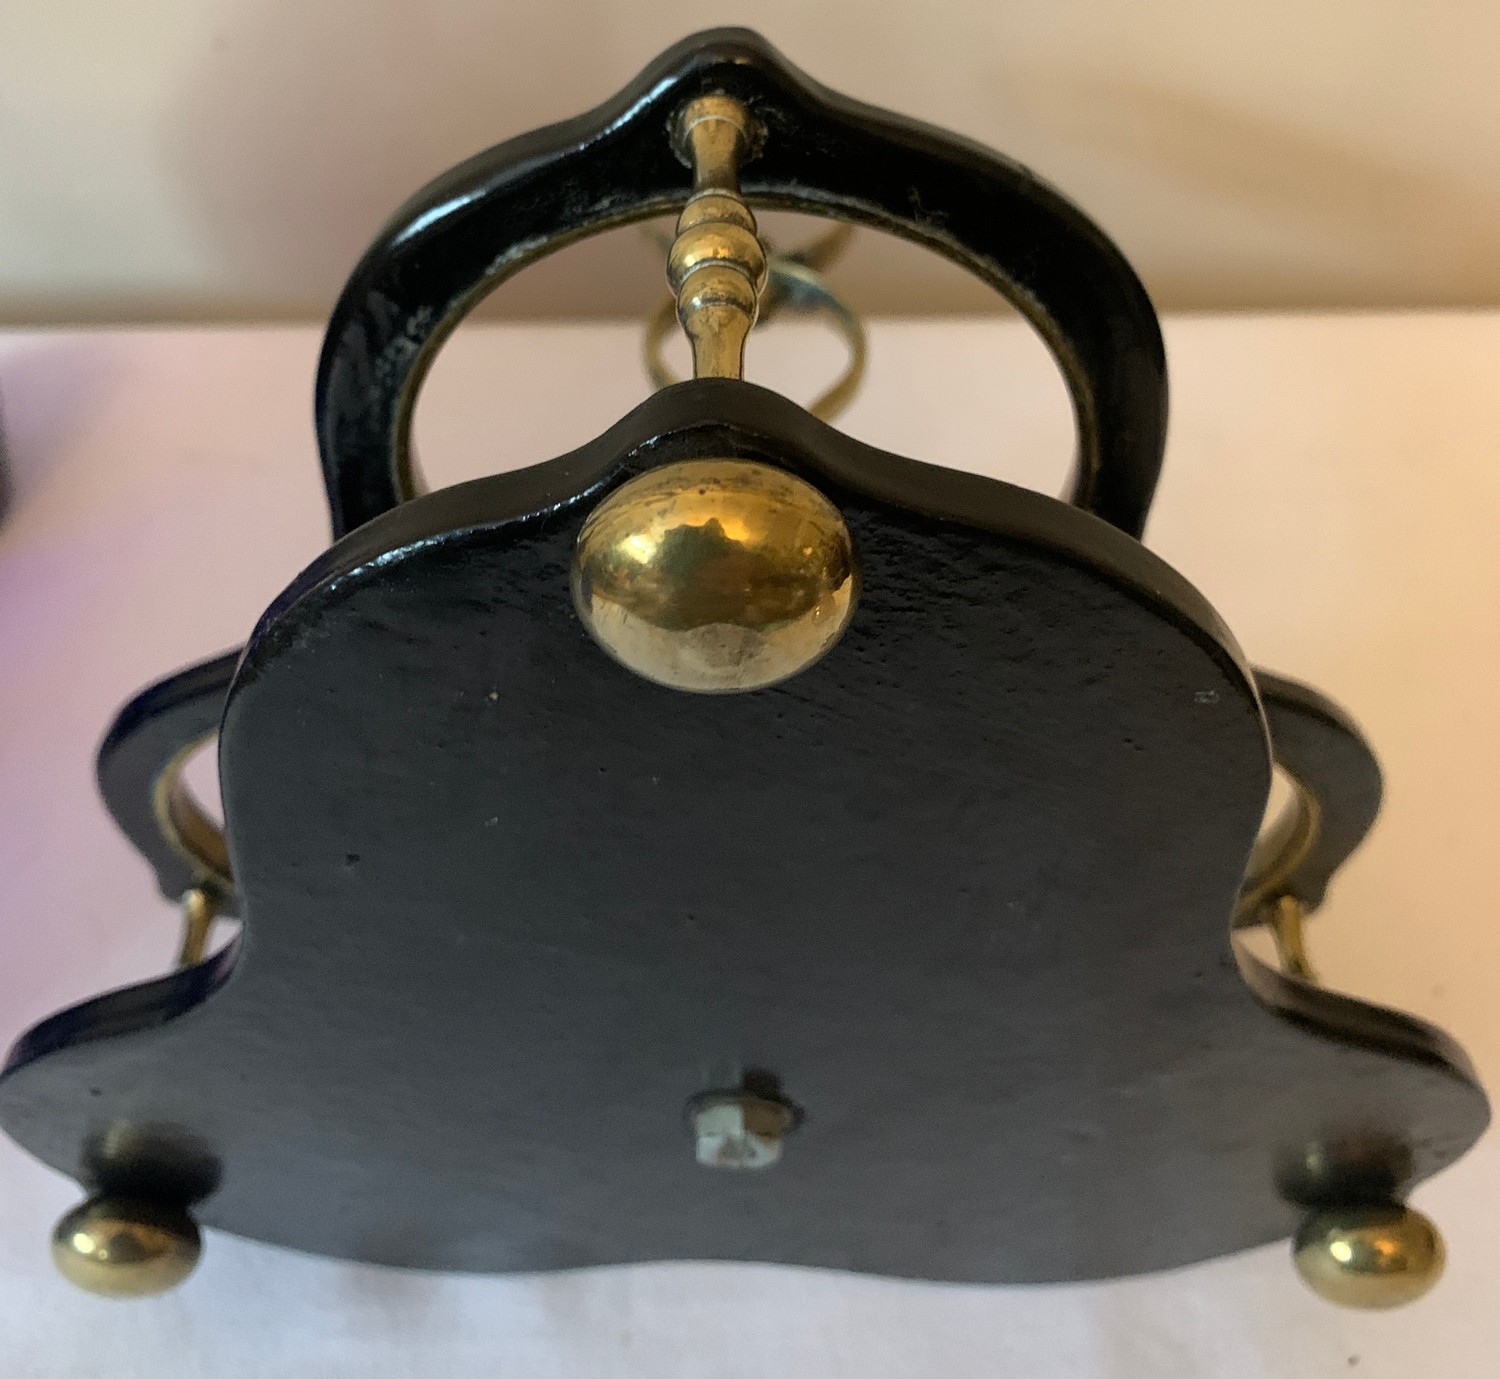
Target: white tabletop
x=1332 y=486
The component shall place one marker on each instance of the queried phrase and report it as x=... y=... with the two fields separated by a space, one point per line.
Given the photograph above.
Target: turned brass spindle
x=717 y=265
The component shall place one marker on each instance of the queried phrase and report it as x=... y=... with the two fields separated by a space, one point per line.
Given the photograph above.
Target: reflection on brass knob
x=715 y=575
x=122 y=1248
x=1374 y=1256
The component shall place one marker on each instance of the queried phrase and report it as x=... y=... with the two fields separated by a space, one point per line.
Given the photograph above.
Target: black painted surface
x=823 y=153
x=964 y=887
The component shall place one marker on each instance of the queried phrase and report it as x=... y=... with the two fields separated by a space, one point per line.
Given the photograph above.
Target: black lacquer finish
x=823 y=153
x=963 y=887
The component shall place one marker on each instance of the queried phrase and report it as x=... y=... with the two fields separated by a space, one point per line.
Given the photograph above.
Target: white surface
x=1332 y=487
x=163 y=159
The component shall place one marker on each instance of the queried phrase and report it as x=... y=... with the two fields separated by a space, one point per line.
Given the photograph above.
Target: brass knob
x=120 y=1247
x=715 y=576
x=1369 y=1257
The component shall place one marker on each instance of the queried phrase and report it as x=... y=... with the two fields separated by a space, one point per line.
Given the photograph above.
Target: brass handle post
x=717 y=265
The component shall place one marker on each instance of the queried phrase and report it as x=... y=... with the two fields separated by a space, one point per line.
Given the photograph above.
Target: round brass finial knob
x=715 y=575
x=119 y=1247
x=1375 y=1256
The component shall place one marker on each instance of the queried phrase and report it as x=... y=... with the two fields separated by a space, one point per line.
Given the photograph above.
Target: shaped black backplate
x=962 y=888
x=960 y=892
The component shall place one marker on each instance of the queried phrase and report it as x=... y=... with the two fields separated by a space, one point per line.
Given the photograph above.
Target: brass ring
x=193 y=834
x=792 y=284
x=187 y=826
x=1278 y=850
x=1265 y=899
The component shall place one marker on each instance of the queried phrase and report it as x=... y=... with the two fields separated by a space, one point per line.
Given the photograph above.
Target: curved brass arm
x=140 y=769
x=1336 y=792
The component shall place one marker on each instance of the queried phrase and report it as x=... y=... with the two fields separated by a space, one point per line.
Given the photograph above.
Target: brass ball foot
x=1369 y=1257
x=120 y=1247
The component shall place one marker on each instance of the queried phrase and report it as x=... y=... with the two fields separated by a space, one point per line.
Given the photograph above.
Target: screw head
x=1369 y=1257
x=120 y=1247
x=739 y=1130
x=715 y=576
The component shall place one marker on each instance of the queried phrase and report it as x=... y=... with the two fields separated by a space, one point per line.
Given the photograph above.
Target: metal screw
x=738 y=1130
